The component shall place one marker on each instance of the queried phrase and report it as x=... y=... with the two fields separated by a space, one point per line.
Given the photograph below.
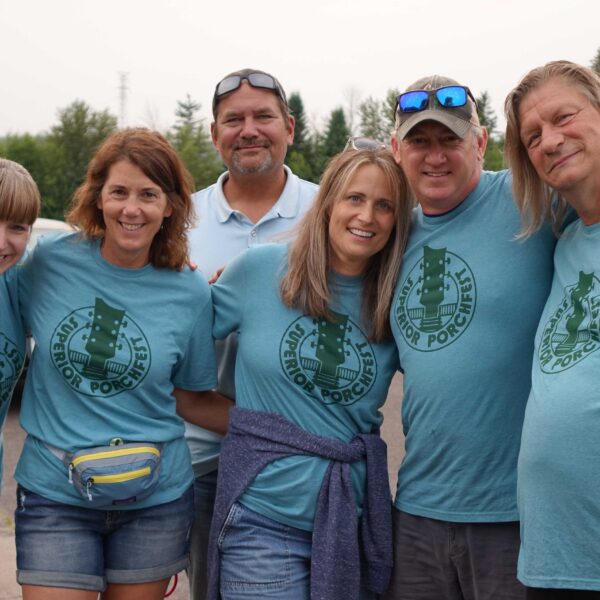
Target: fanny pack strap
x=64 y=456
x=60 y=454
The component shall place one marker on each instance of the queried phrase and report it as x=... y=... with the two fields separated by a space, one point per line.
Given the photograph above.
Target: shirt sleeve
x=197 y=369
x=229 y=295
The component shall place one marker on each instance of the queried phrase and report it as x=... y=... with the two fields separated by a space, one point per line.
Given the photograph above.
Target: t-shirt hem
x=559 y=583
x=279 y=518
x=459 y=516
x=161 y=496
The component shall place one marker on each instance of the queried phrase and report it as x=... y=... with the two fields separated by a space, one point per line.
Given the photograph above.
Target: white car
x=42 y=226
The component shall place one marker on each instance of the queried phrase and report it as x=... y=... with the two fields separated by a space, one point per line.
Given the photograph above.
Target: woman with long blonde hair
x=303 y=469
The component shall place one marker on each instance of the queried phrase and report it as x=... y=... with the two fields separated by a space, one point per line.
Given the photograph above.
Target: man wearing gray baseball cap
x=464 y=315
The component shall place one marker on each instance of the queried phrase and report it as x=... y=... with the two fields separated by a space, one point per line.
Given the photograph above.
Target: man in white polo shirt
x=255 y=201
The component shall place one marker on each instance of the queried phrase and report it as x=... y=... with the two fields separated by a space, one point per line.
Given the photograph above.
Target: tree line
x=58 y=159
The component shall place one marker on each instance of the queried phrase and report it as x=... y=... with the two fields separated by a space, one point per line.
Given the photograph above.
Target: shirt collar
x=286 y=207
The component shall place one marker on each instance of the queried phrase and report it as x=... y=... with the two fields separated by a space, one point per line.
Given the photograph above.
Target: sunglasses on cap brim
x=450 y=96
x=256 y=80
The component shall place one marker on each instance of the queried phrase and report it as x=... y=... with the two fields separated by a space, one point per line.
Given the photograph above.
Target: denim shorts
x=261 y=558
x=59 y=545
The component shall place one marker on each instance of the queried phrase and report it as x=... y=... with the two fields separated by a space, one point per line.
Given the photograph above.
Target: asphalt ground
x=13 y=440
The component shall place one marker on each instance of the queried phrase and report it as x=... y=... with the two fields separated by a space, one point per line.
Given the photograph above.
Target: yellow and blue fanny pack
x=109 y=476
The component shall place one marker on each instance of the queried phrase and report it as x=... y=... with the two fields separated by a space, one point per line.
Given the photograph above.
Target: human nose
x=435 y=154
x=131 y=205
x=366 y=212
x=552 y=139
x=249 y=128
x=3 y=235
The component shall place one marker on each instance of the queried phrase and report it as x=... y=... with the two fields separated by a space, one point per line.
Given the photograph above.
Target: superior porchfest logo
x=100 y=350
x=330 y=359
x=437 y=300
x=11 y=363
x=572 y=332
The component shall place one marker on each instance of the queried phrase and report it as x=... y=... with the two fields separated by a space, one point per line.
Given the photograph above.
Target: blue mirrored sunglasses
x=450 y=96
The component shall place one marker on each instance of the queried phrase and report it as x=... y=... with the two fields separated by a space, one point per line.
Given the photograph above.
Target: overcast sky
x=55 y=51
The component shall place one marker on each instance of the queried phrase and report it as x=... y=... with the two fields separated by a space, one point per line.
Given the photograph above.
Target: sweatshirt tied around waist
x=254 y=440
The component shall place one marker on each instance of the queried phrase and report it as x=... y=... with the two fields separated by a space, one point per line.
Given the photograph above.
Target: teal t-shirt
x=12 y=347
x=324 y=376
x=110 y=346
x=464 y=316
x=559 y=464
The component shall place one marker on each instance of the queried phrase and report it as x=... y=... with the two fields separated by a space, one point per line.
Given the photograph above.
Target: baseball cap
x=458 y=119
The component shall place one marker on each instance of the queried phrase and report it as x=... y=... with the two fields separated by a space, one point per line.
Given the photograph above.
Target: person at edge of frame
x=255 y=201
x=466 y=306
x=19 y=208
x=553 y=149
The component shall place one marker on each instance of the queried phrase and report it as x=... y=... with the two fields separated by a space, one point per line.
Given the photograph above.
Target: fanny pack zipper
x=98 y=479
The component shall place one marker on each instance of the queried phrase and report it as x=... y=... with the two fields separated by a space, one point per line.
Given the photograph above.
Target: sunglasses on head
x=256 y=79
x=363 y=143
x=450 y=96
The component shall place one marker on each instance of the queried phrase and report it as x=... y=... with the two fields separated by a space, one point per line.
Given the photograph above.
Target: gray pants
x=441 y=560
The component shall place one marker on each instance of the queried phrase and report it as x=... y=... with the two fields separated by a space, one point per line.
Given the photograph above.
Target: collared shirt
x=221 y=234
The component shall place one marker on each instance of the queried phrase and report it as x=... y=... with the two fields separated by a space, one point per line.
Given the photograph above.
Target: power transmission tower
x=123 y=89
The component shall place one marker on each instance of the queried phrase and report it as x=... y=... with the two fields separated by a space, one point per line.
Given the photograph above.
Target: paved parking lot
x=13 y=440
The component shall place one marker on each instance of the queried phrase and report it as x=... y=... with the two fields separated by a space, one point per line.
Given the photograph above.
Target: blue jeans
x=59 y=545
x=205 y=487
x=261 y=558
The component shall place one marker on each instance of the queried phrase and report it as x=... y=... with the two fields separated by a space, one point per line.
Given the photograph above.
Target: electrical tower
x=123 y=89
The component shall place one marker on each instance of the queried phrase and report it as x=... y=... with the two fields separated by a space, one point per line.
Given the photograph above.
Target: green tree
x=36 y=155
x=28 y=151
x=71 y=145
x=487 y=116
x=596 y=62
x=389 y=111
x=190 y=138
x=299 y=156
x=372 y=121
x=378 y=117
x=494 y=155
x=301 y=133
x=336 y=133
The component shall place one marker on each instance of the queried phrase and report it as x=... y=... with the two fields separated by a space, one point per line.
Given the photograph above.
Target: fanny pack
x=107 y=476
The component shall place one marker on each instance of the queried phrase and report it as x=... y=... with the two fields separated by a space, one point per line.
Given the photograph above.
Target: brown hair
x=536 y=200
x=152 y=153
x=305 y=286
x=19 y=194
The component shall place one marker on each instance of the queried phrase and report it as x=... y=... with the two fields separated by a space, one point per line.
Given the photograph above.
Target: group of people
x=412 y=259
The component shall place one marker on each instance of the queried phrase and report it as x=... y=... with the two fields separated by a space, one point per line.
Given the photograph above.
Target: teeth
x=437 y=174
x=132 y=226
x=361 y=233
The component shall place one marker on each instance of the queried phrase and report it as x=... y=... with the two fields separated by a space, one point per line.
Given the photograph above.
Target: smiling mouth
x=561 y=161
x=436 y=174
x=361 y=233
x=131 y=226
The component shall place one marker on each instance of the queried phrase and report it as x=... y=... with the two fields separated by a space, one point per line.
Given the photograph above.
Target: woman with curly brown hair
x=123 y=352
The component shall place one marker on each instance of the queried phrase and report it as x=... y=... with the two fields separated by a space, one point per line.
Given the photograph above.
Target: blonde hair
x=537 y=201
x=19 y=194
x=305 y=285
x=158 y=160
